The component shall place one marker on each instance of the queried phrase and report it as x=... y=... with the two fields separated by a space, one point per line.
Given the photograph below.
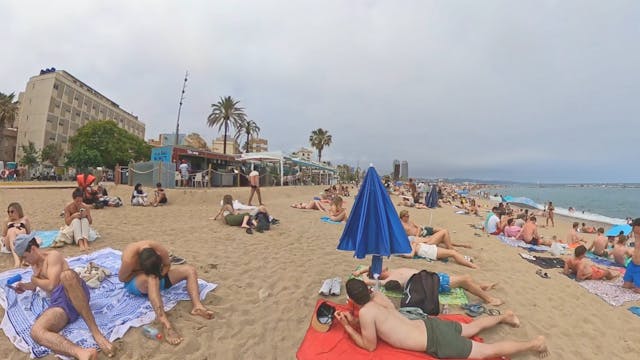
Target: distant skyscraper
x=396 y=169
x=404 y=170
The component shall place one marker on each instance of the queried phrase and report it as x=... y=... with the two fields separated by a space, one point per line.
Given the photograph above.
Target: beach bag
x=421 y=291
x=262 y=221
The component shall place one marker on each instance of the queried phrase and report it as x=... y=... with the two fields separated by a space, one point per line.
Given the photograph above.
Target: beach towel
x=635 y=310
x=329 y=221
x=611 y=292
x=519 y=243
x=605 y=262
x=337 y=344
x=115 y=309
x=546 y=262
x=47 y=237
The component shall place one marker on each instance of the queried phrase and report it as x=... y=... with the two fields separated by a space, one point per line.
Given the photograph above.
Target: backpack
x=262 y=221
x=421 y=291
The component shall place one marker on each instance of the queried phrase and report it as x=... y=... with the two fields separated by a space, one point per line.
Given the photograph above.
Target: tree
x=30 y=155
x=248 y=128
x=103 y=143
x=196 y=141
x=52 y=154
x=346 y=173
x=319 y=139
x=8 y=112
x=226 y=113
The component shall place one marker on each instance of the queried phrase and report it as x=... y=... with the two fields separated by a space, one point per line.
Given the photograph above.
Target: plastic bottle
x=377 y=277
x=151 y=332
x=14 y=279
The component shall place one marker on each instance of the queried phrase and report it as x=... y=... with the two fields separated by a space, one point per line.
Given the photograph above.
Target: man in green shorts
x=443 y=339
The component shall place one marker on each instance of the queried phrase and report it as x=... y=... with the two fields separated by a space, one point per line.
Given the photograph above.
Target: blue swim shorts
x=632 y=274
x=445 y=283
x=130 y=285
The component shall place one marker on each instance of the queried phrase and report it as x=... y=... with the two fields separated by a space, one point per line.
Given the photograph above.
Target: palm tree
x=319 y=139
x=226 y=113
x=247 y=127
x=8 y=112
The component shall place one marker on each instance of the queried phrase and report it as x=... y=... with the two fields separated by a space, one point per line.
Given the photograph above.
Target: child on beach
x=599 y=245
x=584 y=269
x=621 y=252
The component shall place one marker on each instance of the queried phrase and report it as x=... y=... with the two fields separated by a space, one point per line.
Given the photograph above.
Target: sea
x=604 y=203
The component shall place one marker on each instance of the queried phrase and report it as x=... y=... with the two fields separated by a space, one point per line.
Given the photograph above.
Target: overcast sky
x=512 y=90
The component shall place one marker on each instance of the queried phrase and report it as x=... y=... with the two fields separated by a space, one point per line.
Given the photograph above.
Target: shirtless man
x=427 y=234
x=572 y=236
x=433 y=252
x=379 y=318
x=584 y=269
x=146 y=270
x=69 y=300
x=599 y=245
x=621 y=252
x=632 y=275
x=529 y=233
x=254 y=181
x=396 y=279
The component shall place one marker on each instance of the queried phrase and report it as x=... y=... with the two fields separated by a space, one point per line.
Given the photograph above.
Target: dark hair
x=601 y=230
x=393 y=285
x=150 y=262
x=532 y=218
x=227 y=200
x=158 y=184
x=576 y=224
x=580 y=250
x=510 y=221
x=78 y=192
x=622 y=239
x=33 y=242
x=358 y=291
x=138 y=185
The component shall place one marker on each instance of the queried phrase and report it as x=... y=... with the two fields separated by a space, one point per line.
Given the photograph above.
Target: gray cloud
x=527 y=90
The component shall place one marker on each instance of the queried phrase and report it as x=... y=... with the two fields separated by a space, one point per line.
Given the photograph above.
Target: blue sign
x=162 y=154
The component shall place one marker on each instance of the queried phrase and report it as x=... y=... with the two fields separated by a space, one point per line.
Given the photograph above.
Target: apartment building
x=55 y=104
x=258 y=145
x=233 y=147
x=303 y=154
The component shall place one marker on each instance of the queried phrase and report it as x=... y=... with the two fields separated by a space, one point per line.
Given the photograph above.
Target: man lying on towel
x=146 y=270
x=69 y=300
x=379 y=318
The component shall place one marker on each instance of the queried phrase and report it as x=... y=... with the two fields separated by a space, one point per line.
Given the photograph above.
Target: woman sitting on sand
x=139 y=197
x=16 y=225
x=336 y=212
x=231 y=216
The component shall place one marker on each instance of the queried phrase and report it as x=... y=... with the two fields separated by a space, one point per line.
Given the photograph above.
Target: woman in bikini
x=550 y=210
x=16 y=225
x=336 y=212
x=231 y=216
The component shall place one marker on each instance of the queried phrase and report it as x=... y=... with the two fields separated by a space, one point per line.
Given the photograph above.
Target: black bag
x=421 y=291
x=262 y=221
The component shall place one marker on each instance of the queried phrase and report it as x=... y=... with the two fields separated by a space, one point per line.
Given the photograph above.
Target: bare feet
x=540 y=345
x=490 y=286
x=172 y=336
x=87 y=354
x=204 y=312
x=495 y=302
x=510 y=318
x=106 y=347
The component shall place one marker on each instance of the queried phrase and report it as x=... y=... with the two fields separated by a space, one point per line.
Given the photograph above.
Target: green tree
x=103 y=143
x=8 y=112
x=319 y=139
x=248 y=128
x=52 y=154
x=30 y=155
x=226 y=113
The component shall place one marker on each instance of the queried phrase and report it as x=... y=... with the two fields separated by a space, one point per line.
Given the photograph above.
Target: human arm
x=49 y=280
x=70 y=214
x=567 y=268
x=87 y=213
x=361 y=271
x=27 y=224
x=4 y=228
x=368 y=339
x=164 y=255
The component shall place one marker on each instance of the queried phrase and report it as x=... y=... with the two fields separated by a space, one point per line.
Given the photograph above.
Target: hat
x=21 y=244
x=323 y=317
x=635 y=222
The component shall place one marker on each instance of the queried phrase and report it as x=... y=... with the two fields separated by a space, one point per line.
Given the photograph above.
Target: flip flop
x=474 y=310
x=492 y=312
x=542 y=274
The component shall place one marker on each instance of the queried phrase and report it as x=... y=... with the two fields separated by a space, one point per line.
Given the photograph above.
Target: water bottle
x=377 y=277
x=14 y=279
x=151 y=332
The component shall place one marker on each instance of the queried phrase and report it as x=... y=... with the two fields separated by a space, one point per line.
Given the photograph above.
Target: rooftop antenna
x=184 y=85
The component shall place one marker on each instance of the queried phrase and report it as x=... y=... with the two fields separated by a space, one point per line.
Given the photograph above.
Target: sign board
x=162 y=154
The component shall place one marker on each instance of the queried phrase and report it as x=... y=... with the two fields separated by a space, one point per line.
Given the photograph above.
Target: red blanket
x=336 y=343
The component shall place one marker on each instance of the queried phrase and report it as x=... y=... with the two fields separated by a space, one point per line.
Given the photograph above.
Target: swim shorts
x=130 y=285
x=632 y=274
x=428 y=251
x=60 y=299
x=445 y=283
x=426 y=231
x=444 y=339
x=596 y=273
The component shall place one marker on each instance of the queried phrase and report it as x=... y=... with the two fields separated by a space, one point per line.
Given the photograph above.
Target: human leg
x=11 y=242
x=507 y=348
x=486 y=322
x=259 y=195
x=253 y=191
x=78 y=295
x=153 y=290
x=459 y=258
x=45 y=331
x=188 y=272
x=467 y=283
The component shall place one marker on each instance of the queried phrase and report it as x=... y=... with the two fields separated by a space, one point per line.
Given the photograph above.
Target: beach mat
x=605 y=262
x=611 y=292
x=519 y=243
x=336 y=343
x=329 y=221
x=547 y=262
x=47 y=237
x=115 y=309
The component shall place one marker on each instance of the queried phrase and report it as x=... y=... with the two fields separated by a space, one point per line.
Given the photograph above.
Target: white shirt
x=184 y=168
x=492 y=224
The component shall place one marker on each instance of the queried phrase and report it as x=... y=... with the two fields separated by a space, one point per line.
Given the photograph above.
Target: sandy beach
x=268 y=283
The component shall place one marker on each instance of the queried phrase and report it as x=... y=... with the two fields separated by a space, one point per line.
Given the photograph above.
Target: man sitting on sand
x=529 y=233
x=621 y=252
x=584 y=269
x=146 y=270
x=159 y=196
x=433 y=252
x=69 y=299
x=572 y=236
x=599 y=245
x=396 y=279
x=632 y=275
x=379 y=318
x=427 y=234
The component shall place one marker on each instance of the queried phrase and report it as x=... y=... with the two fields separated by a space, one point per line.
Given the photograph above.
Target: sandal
x=474 y=310
x=249 y=231
x=542 y=274
x=492 y=312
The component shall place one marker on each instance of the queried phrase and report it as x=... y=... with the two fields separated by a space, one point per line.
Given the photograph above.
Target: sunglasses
x=10 y=211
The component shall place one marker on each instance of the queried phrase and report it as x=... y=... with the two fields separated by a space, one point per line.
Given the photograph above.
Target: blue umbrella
x=614 y=231
x=373 y=227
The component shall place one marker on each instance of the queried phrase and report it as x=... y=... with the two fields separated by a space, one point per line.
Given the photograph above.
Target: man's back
x=528 y=231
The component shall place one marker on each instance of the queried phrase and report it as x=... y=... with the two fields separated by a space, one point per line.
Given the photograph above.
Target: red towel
x=336 y=343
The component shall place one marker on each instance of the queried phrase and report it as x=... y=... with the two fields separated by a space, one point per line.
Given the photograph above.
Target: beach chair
x=177 y=178
x=198 y=179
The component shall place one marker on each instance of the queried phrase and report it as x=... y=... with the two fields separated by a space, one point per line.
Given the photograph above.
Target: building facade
x=8 y=148
x=303 y=154
x=404 y=170
x=55 y=105
x=232 y=146
x=258 y=145
x=396 y=170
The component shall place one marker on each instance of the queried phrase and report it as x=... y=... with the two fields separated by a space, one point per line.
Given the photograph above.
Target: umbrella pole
x=376 y=265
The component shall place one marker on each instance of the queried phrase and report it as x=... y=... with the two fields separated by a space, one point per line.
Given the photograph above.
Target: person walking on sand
x=378 y=318
x=146 y=270
x=550 y=210
x=69 y=300
x=254 y=181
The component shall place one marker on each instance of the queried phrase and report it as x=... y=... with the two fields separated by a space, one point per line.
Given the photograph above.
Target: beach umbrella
x=614 y=231
x=373 y=226
x=431 y=200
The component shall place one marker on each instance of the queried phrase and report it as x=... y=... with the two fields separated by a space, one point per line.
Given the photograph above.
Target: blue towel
x=327 y=220
x=635 y=310
x=47 y=237
x=115 y=309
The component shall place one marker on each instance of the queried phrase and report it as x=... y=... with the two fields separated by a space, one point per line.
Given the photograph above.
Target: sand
x=268 y=283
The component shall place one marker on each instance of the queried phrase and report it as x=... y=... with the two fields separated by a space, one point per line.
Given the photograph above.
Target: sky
x=538 y=91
